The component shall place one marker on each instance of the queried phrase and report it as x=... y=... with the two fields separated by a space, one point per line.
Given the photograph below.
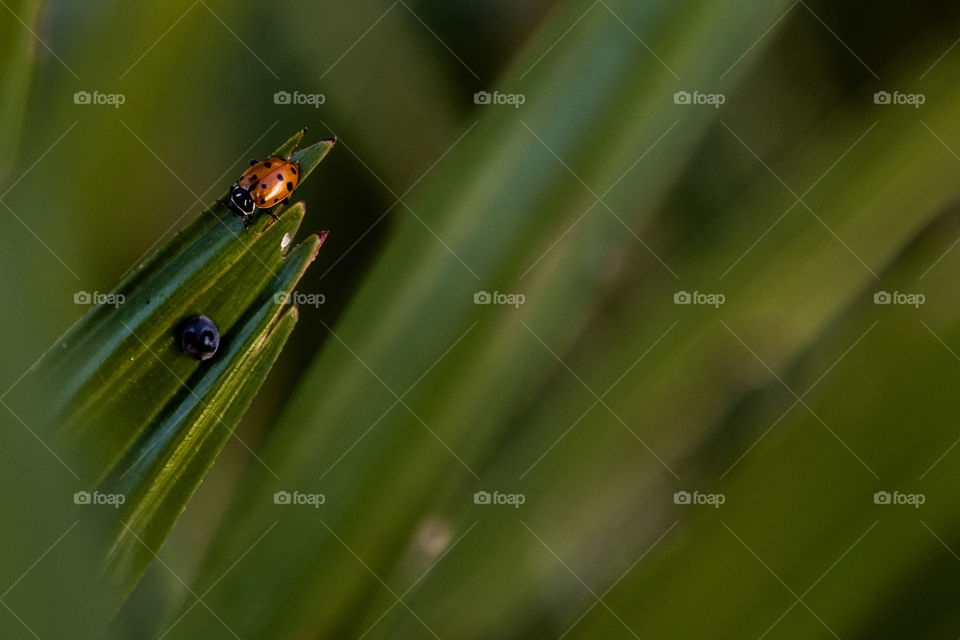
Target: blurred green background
x=685 y=470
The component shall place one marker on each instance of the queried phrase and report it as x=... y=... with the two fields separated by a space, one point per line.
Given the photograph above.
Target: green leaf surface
x=700 y=399
x=132 y=412
x=17 y=50
x=498 y=205
x=162 y=470
x=879 y=378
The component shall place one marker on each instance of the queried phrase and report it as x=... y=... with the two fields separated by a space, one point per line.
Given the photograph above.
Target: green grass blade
x=160 y=472
x=134 y=414
x=17 y=49
x=692 y=393
x=518 y=198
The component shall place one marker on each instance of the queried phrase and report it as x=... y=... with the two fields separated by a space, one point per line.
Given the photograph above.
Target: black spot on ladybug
x=280 y=177
x=275 y=199
x=262 y=201
x=289 y=186
x=263 y=186
x=266 y=164
x=294 y=170
x=253 y=178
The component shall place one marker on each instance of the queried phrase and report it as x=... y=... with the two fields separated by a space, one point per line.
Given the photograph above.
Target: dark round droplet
x=200 y=337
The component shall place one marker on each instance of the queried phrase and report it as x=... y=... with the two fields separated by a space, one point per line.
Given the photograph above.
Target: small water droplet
x=285 y=241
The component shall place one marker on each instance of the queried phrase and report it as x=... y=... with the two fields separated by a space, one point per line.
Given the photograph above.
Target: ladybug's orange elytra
x=270 y=181
x=265 y=184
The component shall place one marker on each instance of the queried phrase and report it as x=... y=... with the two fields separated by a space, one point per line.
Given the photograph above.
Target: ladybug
x=200 y=337
x=265 y=184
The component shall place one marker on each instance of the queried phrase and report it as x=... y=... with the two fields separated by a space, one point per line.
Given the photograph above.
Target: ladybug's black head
x=241 y=201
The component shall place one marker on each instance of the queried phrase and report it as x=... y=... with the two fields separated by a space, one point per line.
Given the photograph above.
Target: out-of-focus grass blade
x=780 y=299
x=17 y=49
x=884 y=399
x=518 y=197
x=424 y=111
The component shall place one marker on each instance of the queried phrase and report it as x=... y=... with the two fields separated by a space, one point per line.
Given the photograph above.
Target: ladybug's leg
x=285 y=201
x=274 y=216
